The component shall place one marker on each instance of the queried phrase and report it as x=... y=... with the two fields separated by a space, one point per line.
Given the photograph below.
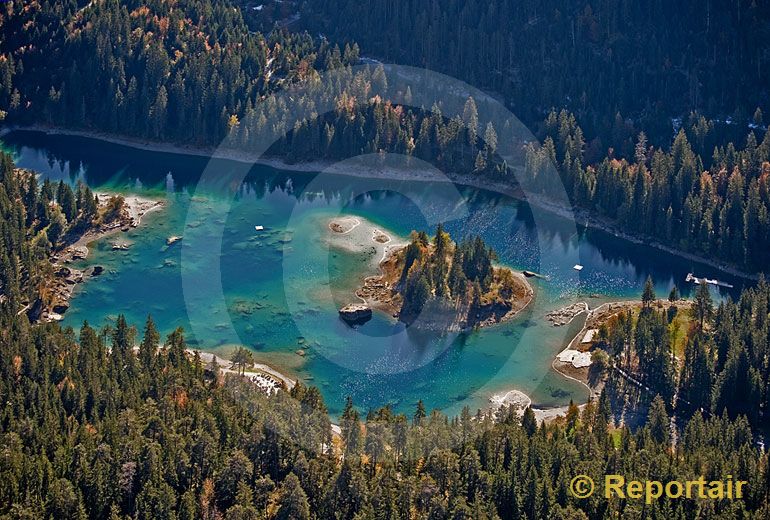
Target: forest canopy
x=660 y=133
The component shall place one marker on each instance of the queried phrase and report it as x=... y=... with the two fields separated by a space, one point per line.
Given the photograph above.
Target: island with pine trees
x=434 y=283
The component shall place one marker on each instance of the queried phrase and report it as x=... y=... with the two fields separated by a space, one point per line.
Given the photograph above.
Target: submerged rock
x=356 y=313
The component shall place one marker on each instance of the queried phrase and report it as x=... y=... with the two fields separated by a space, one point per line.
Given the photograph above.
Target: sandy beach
x=521 y=401
x=134 y=208
x=358 y=235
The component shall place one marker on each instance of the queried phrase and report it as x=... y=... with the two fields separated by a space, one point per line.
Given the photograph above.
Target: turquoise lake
x=282 y=287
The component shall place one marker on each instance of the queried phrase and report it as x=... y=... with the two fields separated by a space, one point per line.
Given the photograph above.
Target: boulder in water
x=356 y=313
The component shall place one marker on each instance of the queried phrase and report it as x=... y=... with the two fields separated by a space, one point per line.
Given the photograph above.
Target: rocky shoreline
x=61 y=286
x=381 y=291
x=565 y=315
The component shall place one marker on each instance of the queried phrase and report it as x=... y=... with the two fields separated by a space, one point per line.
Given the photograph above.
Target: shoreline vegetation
x=128 y=211
x=433 y=283
x=594 y=373
x=62 y=222
x=137 y=207
x=581 y=217
x=132 y=208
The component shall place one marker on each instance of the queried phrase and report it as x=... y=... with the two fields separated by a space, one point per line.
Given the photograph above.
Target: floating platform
x=259 y=228
x=577 y=267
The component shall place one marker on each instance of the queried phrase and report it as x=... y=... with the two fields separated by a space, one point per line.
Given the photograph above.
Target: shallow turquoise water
x=282 y=287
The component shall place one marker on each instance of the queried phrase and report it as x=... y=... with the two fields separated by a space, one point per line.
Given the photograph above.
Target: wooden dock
x=691 y=278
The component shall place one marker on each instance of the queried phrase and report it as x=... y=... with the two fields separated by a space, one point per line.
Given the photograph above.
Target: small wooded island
x=434 y=283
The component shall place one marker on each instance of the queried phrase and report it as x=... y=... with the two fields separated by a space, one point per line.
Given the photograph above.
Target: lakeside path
x=580 y=216
x=224 y=365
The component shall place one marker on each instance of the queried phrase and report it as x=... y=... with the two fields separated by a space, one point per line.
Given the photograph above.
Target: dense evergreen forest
x=649 y=61
x=108 y=423
x=178 y=71
x=456 y=278
x=723 y=368
x=36 y=221
x=699 y=196
x=92 y=433
x=191 y=72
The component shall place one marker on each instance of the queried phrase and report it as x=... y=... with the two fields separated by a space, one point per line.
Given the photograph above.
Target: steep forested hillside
x=191 y=71
x=699 y=196
x=108 y=424
x=178 y=71
x=650 y=60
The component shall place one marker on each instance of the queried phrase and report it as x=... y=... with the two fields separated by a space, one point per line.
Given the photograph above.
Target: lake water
x=281 y=287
